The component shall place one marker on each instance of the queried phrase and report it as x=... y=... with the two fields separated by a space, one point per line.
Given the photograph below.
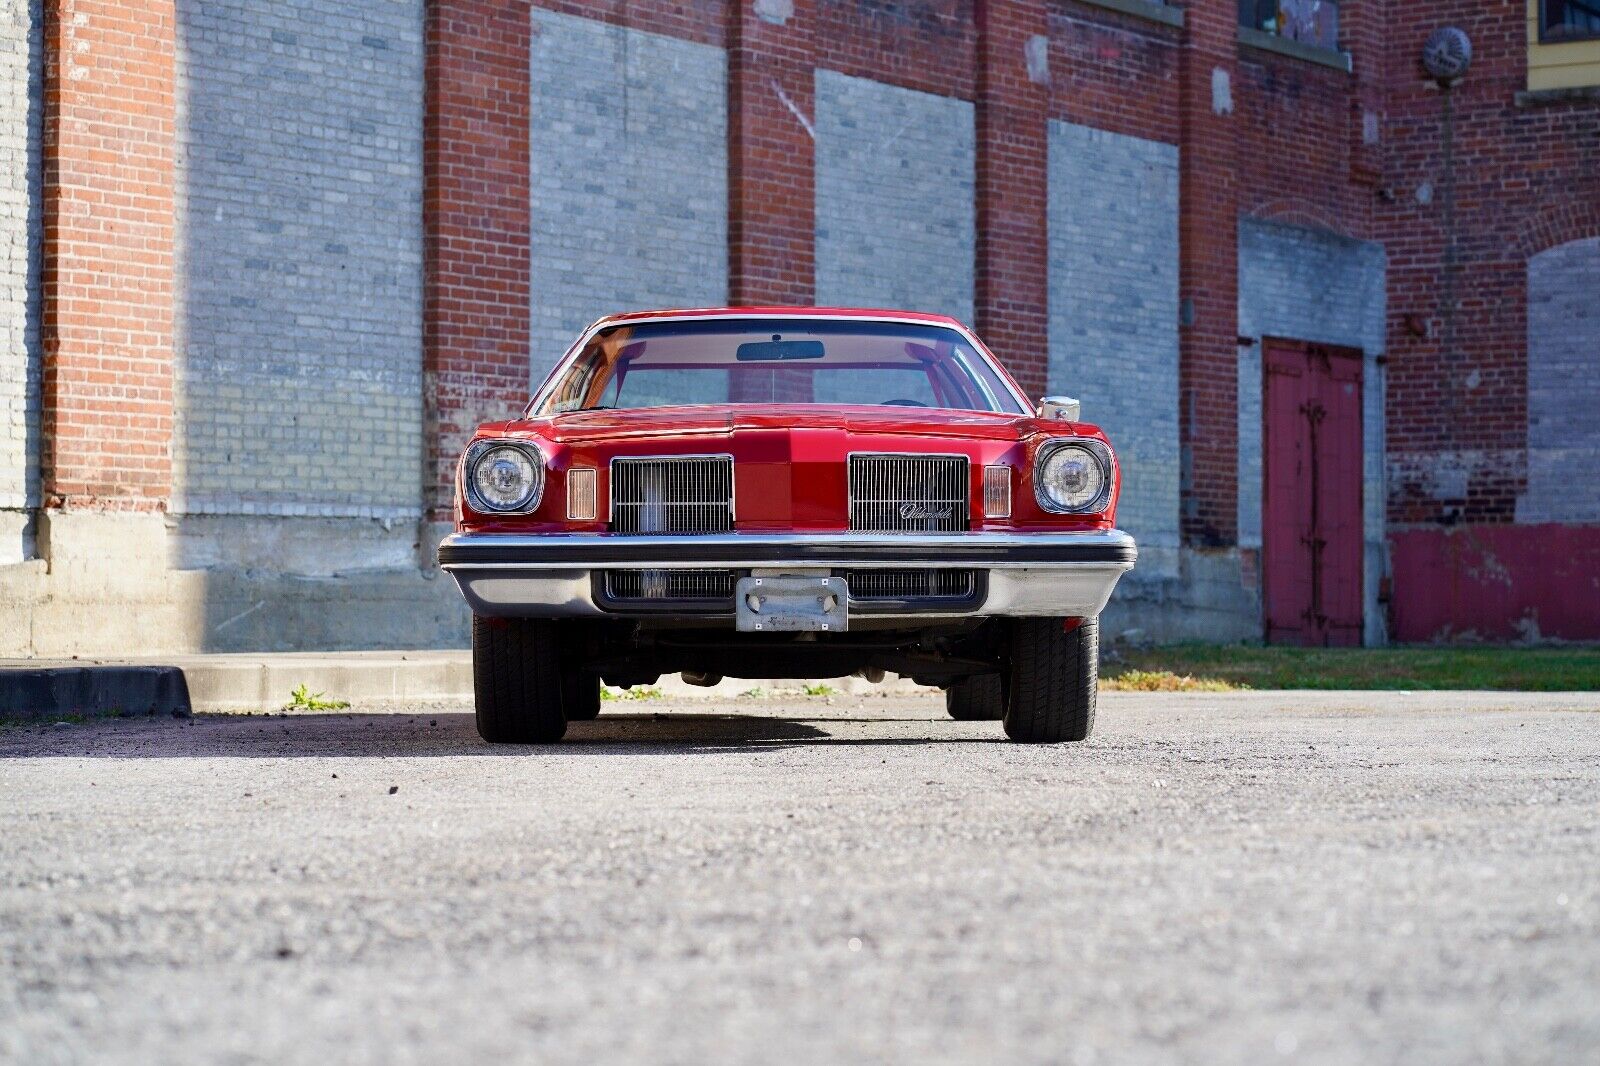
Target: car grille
x=713 y=590
x=690 y=494
x=651 y=585
x=919 y=584
x=916 y=493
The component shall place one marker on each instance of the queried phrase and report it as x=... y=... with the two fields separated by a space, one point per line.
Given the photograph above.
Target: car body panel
x=791 y=466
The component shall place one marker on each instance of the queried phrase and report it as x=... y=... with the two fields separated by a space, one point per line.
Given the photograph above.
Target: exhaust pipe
x=695 y=677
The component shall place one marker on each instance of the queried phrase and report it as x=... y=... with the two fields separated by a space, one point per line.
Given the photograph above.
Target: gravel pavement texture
x=1263 y=877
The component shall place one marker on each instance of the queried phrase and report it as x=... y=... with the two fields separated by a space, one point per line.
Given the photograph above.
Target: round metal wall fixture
x=1447 y=54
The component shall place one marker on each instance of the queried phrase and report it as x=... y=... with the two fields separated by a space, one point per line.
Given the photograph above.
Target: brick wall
x=894 y=197
x=1527 y=178
x=1114 y=71
x=1114 y=314
x=21 y=161
x=107 y=285
x=628 y=176
x=299 y=192
x=1208 y=271
x=1563 y=385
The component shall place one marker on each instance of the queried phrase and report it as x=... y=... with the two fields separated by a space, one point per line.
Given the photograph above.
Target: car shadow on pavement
x=454 y=734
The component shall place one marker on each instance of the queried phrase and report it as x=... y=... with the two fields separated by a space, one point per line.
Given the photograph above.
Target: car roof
x=781 y=311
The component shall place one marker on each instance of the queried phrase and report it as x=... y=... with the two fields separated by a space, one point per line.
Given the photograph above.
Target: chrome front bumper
x=1028 y=574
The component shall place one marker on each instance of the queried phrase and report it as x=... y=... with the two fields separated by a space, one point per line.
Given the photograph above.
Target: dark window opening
x=1568 y=20
x=1313 y=22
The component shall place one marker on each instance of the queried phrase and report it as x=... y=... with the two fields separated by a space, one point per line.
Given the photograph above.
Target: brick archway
x=1556 y=224
x=1294 y=211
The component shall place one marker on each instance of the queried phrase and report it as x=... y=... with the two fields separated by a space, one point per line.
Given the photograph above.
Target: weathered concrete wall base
x=103 y=585
x=1214 y=597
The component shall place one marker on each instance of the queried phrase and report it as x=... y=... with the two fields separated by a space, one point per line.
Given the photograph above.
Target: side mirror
x=1059 y=408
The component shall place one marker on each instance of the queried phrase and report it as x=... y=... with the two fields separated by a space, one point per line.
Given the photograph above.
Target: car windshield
x=671 y=362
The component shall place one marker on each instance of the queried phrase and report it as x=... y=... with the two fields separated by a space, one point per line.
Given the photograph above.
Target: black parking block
x=56 y=691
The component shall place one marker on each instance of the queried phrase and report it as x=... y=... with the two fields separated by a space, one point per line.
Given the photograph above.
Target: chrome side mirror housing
x=1059 y=409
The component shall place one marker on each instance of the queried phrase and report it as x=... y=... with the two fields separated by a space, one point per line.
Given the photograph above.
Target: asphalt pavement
x=1295 y=877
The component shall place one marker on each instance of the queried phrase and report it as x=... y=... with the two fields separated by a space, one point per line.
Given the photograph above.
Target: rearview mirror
x=1059 y=408
x=778 y=350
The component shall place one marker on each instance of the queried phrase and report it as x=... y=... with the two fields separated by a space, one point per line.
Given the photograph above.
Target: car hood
x=588 y=427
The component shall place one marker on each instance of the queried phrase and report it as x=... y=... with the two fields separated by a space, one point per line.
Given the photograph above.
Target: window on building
x=1568 y=20
x=1313 y=22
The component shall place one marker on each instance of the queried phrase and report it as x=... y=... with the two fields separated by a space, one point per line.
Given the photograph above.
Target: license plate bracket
x=790 y=604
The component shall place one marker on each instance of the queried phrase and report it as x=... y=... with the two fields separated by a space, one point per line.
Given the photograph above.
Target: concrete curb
x=39 y=688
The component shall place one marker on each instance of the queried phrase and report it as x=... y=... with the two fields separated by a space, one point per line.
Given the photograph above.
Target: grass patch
x=819 y=690
x=1164 y=681
x=301 y=698
x=637 y=692
x=1218 y=668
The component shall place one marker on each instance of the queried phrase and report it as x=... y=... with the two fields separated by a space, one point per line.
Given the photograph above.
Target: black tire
x=581 y=697
x=1055 y=676
x=980 y=698
x=516 y=681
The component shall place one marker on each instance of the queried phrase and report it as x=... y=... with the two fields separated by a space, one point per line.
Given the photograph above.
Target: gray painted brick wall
x=299 y=229
x=1114 y=315
x=1311 y=285
x=629 y=176
x=21 y=115
x=1563 y=385
x=894 y=200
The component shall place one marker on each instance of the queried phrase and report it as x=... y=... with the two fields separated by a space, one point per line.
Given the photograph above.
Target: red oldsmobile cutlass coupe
x=786 y=492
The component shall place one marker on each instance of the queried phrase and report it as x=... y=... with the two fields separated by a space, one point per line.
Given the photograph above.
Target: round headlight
x=1073 y=477
x=503 y=477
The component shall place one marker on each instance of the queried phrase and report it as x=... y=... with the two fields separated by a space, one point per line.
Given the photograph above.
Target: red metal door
x=1311 y=496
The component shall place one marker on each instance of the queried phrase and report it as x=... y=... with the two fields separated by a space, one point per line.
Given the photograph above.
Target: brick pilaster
x=108 y=241
x=772 y=248
x=1012 y=271
x=476 y=218
x=1208 y=274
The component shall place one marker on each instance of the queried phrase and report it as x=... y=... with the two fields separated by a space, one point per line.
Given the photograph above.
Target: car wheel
x=1055 y=675
x=980 y=698
x=516 y=681
x=581 y=696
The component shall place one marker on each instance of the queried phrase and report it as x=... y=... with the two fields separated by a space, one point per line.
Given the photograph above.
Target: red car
x=786 y=492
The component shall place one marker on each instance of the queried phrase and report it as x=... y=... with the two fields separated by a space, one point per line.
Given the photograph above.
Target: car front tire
x=582 y=695
x=1055 y=677
x=516 y=681
x=980 y=698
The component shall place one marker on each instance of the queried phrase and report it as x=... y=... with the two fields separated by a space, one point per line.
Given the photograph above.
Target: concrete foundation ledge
x=240 y=681
x=266 y=681
x=57 y=691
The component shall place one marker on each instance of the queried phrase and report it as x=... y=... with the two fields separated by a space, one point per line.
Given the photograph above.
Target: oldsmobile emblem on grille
x=922 y=512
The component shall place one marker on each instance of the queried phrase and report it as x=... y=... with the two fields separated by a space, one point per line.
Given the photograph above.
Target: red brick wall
x=703 y=21
x=476 y=211
x=772 y=248
x=1012 y=272
x=108 y=232
x=1527 y=177
x=1114 y=72
x=929 y=45
x=1208 y=398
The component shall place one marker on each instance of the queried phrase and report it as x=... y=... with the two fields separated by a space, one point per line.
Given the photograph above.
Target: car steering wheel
x=902 y=403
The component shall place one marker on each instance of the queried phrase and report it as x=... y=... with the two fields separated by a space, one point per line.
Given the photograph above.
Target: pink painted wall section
x=1497 y=582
